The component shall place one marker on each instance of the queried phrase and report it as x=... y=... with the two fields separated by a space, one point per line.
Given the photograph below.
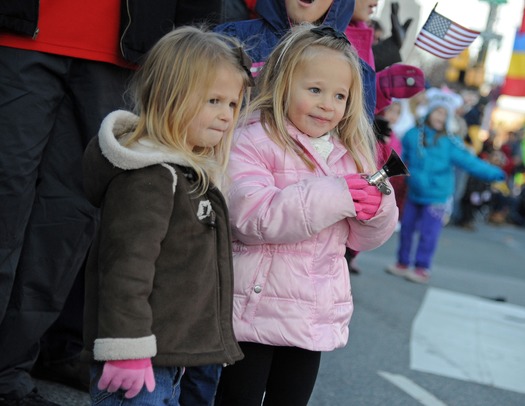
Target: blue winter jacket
x=431 y=166
x=260 y=36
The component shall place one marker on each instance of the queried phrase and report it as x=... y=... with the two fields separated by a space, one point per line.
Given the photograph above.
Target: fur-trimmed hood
x=98 y=172
x=144 y=153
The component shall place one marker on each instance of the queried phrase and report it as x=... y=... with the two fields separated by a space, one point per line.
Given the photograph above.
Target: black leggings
x=286 y=374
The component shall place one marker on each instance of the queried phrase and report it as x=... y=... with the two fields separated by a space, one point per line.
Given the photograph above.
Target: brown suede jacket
x=159 y=277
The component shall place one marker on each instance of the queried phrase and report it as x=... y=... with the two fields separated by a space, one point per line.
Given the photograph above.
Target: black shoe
x=31 y=399
x=354 y=270
x=71 y=373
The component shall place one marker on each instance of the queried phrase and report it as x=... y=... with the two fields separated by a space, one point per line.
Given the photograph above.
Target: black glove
x=398 y=30
x=387 y=52
x=382 y=129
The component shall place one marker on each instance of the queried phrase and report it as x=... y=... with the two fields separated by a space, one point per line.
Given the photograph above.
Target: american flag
x=443 y=37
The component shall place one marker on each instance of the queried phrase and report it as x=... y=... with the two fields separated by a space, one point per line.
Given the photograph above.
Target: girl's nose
x=327 y=103
x=227 y=114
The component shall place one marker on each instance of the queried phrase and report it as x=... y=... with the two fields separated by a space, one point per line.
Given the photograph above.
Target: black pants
x=287 y=374
x=50 y=107
x=63 y=341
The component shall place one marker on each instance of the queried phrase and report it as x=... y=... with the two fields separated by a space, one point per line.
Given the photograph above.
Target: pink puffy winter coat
x=291 y=226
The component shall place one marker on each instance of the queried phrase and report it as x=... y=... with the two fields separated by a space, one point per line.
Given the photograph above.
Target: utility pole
x=475 y=76
x=488 y=35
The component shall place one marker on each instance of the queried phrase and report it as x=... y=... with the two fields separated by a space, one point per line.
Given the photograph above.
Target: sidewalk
x=63 y=395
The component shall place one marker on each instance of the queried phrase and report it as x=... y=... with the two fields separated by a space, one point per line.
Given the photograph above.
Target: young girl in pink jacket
x=297 y=198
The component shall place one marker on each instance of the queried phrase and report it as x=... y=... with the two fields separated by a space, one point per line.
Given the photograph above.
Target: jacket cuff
x=112 y=349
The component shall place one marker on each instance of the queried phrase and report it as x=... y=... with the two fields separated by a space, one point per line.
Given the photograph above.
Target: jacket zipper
x=213 y=224
x=219 y=287
x=37 y=30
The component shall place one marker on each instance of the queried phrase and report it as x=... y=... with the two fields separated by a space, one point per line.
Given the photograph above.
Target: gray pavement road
x=375 y=369
x=485 y=266
x=63 y=395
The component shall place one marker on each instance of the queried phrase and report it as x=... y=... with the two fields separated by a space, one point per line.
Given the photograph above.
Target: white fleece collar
x=139 y=155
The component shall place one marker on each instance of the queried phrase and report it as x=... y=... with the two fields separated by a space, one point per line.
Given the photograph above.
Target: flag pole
x=414 y=44
x=410 y=53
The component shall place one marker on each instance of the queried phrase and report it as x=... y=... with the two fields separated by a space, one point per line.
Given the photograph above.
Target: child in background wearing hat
x=430 y=153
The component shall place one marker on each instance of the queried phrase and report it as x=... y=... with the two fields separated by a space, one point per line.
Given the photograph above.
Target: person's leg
x=96 y=89
x=517 y=212
x=30 y=95
x=350 y=256
x=60 y=342
x=60 y=346
x=199 y=384
x=409 y=223
x=460 y=187
x=467 y=211
x=430 y=230
x=399 y=185
x=244 y=383
x=499 y=206
x=292 y=376
x=57 y=231
x=62 y=222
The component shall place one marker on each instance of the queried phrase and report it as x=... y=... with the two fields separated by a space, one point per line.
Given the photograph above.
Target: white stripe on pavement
x=417 y=392
x=470 y=338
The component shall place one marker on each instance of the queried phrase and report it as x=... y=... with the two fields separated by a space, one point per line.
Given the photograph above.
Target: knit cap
x=443 y=98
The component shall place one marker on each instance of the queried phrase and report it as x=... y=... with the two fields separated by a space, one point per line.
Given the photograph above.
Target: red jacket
x=85 y=30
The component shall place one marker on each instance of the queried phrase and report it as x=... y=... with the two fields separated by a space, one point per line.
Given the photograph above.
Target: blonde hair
x=273 y=94
x=169 y=88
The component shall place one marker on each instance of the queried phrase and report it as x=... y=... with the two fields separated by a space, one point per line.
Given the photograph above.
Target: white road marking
x=470 y=338
x=417 y=392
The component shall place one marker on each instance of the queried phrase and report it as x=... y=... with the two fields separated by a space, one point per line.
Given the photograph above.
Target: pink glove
x=129 y=375
x=399 y=81
x=367 y=198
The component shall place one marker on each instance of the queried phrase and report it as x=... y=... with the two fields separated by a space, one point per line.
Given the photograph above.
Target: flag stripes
x=443 y=37
x=515 y=80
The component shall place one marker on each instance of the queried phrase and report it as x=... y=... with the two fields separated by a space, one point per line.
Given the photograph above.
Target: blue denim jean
x=167 y=389
x=199 y=384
